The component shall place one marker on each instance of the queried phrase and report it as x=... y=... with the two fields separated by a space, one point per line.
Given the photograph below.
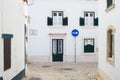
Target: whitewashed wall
x=109 y=18
x=39 y=46
x=13 y=23
x=0 y=40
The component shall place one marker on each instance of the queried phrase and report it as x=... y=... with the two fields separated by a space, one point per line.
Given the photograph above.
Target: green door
x=57 y=50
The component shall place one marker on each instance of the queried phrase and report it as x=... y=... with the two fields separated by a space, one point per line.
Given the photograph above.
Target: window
x=57 y=45
x=110 y=46
x=86 y=14
x=89 y=19
x=110 y=5
x=57 y=19
x=7 y=50
x=57 y=49
x=88 y=45
x=60 y=46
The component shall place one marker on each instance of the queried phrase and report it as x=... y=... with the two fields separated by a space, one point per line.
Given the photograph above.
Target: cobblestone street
x=61 y=71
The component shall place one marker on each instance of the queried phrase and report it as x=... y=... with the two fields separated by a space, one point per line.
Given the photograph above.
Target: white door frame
x=57 y=36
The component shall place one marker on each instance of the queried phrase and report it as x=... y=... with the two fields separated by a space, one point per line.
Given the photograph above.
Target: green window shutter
x=65 y=21
x=95 y=21
x=82 y=21
x=49 y=21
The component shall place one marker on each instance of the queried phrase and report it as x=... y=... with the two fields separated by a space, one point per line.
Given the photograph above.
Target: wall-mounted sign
x=32 y=31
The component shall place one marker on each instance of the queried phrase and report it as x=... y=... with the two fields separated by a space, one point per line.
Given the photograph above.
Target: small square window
x=91 y=15
x=86 y=14
x=60 y=14
x=55 y=14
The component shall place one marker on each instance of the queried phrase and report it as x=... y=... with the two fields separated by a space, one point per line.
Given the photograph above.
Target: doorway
x=57 y=50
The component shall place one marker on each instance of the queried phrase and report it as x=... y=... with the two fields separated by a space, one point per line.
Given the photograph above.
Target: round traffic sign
x=75 y=32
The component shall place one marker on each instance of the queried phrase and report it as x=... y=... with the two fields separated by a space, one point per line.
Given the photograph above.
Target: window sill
x=57 y=26
x=111 y=61
x=89 y=27
x=89 y=54
x=110 y=8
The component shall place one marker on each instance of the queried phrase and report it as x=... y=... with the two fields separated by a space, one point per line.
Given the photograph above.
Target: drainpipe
x=25 y=44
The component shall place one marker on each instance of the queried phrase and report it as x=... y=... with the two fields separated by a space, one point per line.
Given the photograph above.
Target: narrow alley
x=61 y=71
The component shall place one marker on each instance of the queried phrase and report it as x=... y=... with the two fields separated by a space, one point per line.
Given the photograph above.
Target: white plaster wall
x=0 y=39
x=13 y=23
x=106 y=19
x=39 y=45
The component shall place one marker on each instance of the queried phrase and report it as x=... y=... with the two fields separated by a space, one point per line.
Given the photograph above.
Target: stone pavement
x=61 y=71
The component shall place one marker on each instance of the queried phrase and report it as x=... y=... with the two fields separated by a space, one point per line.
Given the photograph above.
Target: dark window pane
x=111 y=41
x=60 y=14
x=109 y=3
x=86 y=14
x=91 y=14
x=55 y=14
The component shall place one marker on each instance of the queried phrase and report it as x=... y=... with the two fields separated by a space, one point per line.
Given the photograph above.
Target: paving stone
x=62 y=71
x=34 y=79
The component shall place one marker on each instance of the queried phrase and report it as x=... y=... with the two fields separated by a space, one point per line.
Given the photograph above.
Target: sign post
x=75 y=33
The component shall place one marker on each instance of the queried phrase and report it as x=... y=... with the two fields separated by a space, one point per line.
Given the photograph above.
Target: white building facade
x=109 y=39
x=50 y=27
x=12 y=49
